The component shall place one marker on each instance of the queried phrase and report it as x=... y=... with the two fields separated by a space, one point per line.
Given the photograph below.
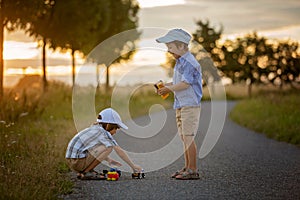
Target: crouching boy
x=91 y=146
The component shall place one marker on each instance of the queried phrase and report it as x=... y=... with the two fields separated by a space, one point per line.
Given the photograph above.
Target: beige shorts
x=187 y=119
x=80 y=164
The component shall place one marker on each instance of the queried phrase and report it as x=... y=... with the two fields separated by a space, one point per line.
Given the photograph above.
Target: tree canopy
x=72 y=24
x=14 y=14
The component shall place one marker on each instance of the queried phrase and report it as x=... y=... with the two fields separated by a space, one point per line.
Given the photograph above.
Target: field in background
x=239 y=91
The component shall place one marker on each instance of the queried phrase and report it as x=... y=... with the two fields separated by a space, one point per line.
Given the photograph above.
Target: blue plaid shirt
x=188 y=70
x=88 y=138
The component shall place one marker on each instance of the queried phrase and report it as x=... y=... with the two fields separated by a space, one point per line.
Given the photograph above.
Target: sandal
x=79 y=174
x=178 y=172
x=97 y=173
x=188 y=175
x=90 y=176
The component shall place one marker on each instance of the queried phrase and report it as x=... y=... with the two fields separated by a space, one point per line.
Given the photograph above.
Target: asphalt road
x=242 y=165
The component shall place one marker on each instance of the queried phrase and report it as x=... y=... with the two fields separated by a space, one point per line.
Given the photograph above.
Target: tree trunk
x=250 y=90
x=1 y=53
x=98 y=76
x=45 y=83
x=107 y=78
x=73 y=68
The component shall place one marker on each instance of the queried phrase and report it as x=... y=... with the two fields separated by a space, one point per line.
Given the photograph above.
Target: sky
x=271 y=18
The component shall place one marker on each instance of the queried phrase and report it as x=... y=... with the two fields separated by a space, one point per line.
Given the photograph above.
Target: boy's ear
x=182 y=46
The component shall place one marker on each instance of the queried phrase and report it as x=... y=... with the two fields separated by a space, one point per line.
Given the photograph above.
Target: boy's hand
x=163 y=91
x=113 y=162
x=137 y=168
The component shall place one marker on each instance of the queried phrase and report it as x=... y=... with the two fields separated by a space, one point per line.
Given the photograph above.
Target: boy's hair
x=179 y=43
x=109 y=127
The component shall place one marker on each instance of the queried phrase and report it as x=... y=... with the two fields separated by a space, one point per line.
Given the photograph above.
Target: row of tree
x=250 y=58
x=79 y=26
x=69 y=25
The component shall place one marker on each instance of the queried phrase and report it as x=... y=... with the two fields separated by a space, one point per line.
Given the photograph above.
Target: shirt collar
x=183 y=57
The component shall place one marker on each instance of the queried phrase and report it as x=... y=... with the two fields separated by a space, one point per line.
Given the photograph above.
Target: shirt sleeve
x=190 y=74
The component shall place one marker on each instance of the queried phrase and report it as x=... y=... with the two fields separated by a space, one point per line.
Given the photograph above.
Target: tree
x=208 y=38
x=245 y=59
x=230 y=66
x=123 y=16
x=83 y=31
x=63 y=25
x=206 y=49
x=14 y=14
x=39 y=28
x=284 y=63
x=80 y=29
x=66 y=27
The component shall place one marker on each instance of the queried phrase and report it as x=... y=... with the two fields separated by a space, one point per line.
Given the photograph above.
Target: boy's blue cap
x=175 y=35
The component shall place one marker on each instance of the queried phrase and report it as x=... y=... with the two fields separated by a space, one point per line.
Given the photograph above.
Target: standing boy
x=91 y=146
x=187 y=89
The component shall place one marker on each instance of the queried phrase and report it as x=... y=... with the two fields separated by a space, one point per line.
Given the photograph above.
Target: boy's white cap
x=175 y=34
x=110 y=116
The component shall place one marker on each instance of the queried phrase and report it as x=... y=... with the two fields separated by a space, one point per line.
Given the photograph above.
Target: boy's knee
x=101 y=151
x=104 y=153
x=187 y=139
x=109 y=149
x=186 y=136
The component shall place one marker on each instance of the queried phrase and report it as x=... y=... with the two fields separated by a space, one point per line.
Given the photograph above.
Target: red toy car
x=112 y=176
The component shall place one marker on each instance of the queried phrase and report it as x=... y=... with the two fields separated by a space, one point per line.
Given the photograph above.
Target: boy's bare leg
x=191 y=151
x=186 y=155
x=104 y=152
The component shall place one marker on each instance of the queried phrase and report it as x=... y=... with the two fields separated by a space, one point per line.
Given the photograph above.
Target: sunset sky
x=271 y=18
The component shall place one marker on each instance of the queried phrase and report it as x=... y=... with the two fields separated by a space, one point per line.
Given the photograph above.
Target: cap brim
x=123 y=126
x=164 y=39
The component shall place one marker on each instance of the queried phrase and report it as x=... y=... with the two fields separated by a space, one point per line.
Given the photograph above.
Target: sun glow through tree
x=156 y=3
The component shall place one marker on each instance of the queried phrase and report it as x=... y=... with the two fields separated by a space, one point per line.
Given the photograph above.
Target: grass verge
x=275 y=114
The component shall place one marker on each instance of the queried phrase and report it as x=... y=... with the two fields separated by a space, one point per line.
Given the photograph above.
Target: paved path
x=242 y=165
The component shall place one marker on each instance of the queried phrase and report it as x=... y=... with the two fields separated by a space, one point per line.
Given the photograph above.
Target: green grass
x=32 y=146
x=276 y=114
